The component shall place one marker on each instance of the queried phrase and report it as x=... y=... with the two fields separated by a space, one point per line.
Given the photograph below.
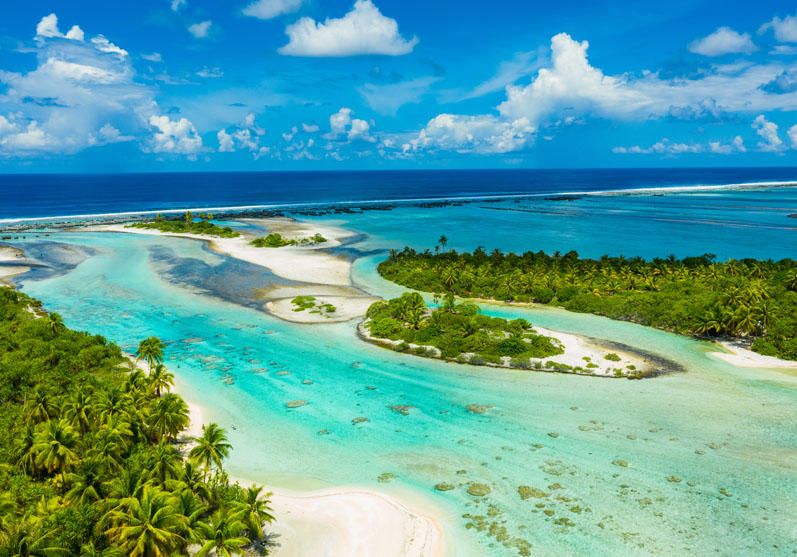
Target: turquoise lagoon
x=697 y=462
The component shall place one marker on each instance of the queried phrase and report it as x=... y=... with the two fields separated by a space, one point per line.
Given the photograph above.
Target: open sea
x=692 y=463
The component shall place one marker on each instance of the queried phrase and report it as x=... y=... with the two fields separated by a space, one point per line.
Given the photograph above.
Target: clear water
x=729 y=430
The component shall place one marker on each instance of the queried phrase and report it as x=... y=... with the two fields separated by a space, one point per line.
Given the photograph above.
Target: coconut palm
x=86 y=483
x=160 y=379
x=256 y=510
x=54 y=446
x=211 y=447
x=151 y=350
x=168 y=418
x=223 y=535
x=148 y=527
x=77 y=410
x=165 y=463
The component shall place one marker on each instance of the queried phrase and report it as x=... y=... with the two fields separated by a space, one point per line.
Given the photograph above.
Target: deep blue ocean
x=49 y=195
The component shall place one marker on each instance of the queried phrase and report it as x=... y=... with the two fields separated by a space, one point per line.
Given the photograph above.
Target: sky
x=201 y=85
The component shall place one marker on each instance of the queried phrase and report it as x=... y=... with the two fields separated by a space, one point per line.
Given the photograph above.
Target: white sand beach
x=740 y=356
x=340 y=521
x=347 y=308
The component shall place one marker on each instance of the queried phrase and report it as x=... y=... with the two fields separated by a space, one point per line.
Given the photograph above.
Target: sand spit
x=739 y=355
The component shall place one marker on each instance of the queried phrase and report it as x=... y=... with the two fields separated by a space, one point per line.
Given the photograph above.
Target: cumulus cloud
x=792 y=133
x=79 y=92
x=174 y=136
x=343 y=126
x=472 y=134
x=210 y=72
x=201 y=29
x=310 y=128
x=48 y=28
x=364 y=30
x=245 y=136
x=152 y=57
x=723 y=41
x=667 y=147
x=785 y=29
x=268 y=9
x=387 y=99
x=177 y=4
x=768 y=131
x=571 y=89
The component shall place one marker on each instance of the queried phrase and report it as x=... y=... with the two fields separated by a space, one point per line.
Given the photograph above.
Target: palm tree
x=87 y=483
x=151 y=349
x=40 y=406
x=189 y=505
x=443 y=241
x=55 y=323
x=165 y=463
x=791 y=280
x=77 y=410
x=223 y=535
x=160 y=379
x=256 y=510
x=211 y=447
x=148 y=527
x=54 y=445
x=169 y=417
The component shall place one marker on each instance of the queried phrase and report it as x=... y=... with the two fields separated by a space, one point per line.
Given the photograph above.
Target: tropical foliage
x=454 y=330
x=276 y=240
x=187 y=225
x=91 y=466
x=748 y=298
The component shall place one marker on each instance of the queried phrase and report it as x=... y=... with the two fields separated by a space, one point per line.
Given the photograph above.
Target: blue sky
x=199 y=85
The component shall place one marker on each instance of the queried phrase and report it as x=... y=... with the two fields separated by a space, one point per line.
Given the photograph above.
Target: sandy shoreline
x=340 y=521
x=740 y=356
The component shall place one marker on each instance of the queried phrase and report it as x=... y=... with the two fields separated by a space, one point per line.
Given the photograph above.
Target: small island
x=458 y=332
x=749 y=301
x=187 y=225
x=277 y=240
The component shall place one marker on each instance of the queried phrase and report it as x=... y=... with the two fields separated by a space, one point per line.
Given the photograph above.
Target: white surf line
x=625 y=191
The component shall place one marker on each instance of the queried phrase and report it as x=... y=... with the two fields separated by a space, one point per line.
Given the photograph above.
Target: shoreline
x=576 y=348
x=222 y=210
x=338 y=521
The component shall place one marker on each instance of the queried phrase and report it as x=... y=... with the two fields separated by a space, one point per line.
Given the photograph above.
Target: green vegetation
x=276 y=240
x=187 y=225
x=697 y=296
x=454 y=330
x=90 y=465
x=305 y=303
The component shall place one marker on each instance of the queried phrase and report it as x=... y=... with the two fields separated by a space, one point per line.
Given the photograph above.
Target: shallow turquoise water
x=742 y=500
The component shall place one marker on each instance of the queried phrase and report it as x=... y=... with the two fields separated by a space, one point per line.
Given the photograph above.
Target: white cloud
x=792 y=133
x=310 y=128
x=483 y=134
x=177 y=4
x=785 y=29
x=152 y=57
x=770 y=141
x=341 y=124
x=288 y=136
x=268 y=9
x=735 y=146
x=174 y=136
x=200 y=30
x=667 y=147
x=245 y=136
x=78 y=93
x=723 y=41
x=387 y=99
x=104 y=45
x=784 y=50
x=48 y=28
x=210 y=72
x=571 y=89
x=364 y=30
